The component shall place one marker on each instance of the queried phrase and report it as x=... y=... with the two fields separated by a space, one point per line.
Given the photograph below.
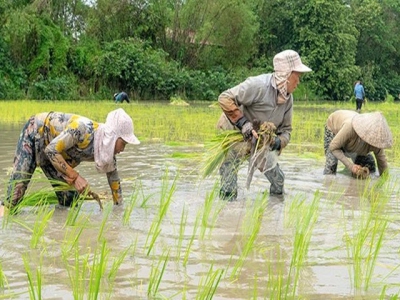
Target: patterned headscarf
x=281 y=80
x=285 y=63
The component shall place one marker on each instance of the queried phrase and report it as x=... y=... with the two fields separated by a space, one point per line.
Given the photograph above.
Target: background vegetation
x=194 y=49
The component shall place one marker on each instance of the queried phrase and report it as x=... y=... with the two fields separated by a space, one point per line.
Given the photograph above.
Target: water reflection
x=192 y=245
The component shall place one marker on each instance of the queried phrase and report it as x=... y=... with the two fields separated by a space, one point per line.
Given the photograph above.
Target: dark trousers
x=359 y=103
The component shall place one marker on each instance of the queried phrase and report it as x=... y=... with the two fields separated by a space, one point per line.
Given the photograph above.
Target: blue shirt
x=359 y=91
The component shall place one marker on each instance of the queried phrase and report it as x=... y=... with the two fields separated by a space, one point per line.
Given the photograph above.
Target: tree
x=326 y=36
x=204 y=34
x=377 y=51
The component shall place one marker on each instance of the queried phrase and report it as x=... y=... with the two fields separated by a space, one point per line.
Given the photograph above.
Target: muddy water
x=326 y=271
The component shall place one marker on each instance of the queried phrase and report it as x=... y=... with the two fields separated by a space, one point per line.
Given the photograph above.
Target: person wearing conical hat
x=352 y=138
x=57 y=142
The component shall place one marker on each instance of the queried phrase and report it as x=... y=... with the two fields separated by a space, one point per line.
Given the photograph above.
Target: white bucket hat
x=373 y=129
x=288 y=61
x=122 y=125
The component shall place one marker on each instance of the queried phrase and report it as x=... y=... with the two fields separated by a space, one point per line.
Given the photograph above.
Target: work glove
x=245 y=127
x=276 y=145
x=116 y=192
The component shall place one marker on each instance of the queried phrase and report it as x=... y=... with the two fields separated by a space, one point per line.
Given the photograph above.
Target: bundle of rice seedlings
x=362 y=173
x=178 y=101
x=217 y=148
x=266 y=136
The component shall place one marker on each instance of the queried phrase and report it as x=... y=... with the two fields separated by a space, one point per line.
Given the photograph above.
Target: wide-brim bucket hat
x=373 y=129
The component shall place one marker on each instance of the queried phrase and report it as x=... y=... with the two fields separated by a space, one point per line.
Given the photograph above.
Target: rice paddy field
x=329 y=237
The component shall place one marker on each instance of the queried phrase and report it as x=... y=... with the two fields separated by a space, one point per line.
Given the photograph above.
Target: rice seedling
x=71 y=237
x=209 y=283
x=156 y=275
x=117 y=262
x=211 y=210
x=3 y=278
x=277 y=281
x=74 y=211
x=35 y=288
x=6 y=219
x=302 y=217
x=77 y=273
x=216 y=150
x=182 y=227
x=384 y=296
x=250 y=228
x=367 y=236
x=44 y=214
x=190 y=243
x=88 y=271
x=134 y=246
x=40 y=196
x=129 y=205
x=145 y=199
x=97 y=271
x=102 y=229
x=165 y=200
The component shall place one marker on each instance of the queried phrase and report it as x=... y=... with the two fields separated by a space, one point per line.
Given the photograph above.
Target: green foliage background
x=195 y=49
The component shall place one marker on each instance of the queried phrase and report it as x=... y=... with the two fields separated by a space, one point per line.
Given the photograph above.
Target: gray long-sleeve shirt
x=256 y=98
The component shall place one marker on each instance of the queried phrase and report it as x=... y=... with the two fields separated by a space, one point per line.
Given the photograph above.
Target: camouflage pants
x=229 y=170
x=332 y=162
x=25 y=165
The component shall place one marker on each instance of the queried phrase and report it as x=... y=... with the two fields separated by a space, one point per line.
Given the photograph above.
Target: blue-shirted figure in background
x=359 y=93
x=121 y=97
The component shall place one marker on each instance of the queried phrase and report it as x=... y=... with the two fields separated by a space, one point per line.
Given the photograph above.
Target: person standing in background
x=359 y=93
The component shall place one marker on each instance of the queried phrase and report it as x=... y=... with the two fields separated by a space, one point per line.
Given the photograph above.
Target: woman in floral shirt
x=58 y=142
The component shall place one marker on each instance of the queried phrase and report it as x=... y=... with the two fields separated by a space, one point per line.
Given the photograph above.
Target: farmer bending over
x=121 y=97
x=351 y=137
x=266 y=98
x=58 y=142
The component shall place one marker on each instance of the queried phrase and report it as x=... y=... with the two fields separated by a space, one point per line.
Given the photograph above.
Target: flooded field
x=329 y=238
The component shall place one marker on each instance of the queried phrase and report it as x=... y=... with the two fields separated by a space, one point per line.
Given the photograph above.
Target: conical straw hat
x=373 y=129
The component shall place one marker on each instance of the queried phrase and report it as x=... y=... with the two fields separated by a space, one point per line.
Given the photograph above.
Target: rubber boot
x=228 y=173
x=277 y=178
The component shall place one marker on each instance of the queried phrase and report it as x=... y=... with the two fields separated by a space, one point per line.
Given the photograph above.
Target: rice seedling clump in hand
x=220 y=144
x=260 y=146
x=362 y=173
